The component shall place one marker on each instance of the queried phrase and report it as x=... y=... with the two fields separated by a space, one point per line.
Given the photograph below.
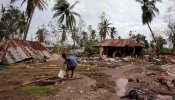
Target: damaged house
x=15 y=50
x=119 y=47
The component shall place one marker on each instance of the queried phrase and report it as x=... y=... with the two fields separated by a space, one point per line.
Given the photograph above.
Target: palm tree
x=12 y=22
x=65 y=12
x=104 y=28
x=63 y=29
x=148 y=12
x=113 y=32
x=42 y=34
x=30 y=9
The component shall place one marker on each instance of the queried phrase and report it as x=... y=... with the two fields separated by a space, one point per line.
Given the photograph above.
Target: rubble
x=164 y=97
x=170 y=70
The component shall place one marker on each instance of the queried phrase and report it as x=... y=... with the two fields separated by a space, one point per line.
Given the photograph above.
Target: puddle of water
x=121 y=84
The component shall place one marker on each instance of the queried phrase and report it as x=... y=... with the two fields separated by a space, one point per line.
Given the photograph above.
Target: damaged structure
x=16 y=50
x=119 y=47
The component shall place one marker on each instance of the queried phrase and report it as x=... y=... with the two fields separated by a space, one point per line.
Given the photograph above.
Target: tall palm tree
x=30 y=9
x=113 y=32
x=63 y=29
x=64 y=11
x=148 y=12
x=104 y=27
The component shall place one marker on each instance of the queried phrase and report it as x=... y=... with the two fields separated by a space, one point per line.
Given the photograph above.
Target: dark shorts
x=70 y=67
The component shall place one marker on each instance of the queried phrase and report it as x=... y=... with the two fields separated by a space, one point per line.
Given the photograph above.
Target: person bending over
x=71 y=64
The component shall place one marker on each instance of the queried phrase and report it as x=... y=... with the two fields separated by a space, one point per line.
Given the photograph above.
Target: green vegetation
x=104 y=27
x=37 y=90
x=88 y=46
x=63 y=30
x=149 y=9
x=30 y=9
x=140 y=38
x=64 y=12
x=113 y=32
x=148 y=12
x=41 y=34
x=15 y=24
x=160 y=43
x=12 y=23
x=15 y=65
x=2 y=66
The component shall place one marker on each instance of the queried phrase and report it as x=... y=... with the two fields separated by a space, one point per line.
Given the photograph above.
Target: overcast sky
x=124 y=14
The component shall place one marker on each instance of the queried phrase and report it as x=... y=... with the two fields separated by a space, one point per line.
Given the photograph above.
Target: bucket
x=61 y=73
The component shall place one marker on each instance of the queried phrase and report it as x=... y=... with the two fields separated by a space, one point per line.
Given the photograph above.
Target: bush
x=88 y=46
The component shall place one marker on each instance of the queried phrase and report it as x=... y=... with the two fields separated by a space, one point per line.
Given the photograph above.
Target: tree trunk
x=154 y=39
x=173 y=50
x=151 y=32
x=74 y=44
x=28 y=23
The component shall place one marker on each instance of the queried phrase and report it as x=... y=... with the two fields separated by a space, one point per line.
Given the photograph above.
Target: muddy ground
x=93 y=80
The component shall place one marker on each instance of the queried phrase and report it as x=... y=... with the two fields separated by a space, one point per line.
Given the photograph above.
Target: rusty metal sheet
x=117 y=43
x=15 y=50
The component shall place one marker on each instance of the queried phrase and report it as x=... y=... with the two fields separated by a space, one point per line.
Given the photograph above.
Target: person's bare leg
x=72 y=73
x=67 y=72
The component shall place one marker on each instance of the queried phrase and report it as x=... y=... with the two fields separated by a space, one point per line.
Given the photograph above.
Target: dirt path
x=127 y=71
x=89 y=83
x=79 y=88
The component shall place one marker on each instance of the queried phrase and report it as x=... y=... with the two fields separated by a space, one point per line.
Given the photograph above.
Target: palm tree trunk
x=153 y=39
x=173 y=50
x=151 y=32
x=28 y=23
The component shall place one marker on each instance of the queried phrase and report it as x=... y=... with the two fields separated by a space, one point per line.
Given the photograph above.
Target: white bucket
x=61 y=73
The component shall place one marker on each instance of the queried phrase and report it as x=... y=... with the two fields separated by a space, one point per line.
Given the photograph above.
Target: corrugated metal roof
x=117 y=43
x=15 y=50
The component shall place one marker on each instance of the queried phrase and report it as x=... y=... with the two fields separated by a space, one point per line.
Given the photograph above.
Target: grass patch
x=37 y=91
x=4 y=66
x=11 y=66
x=155 y=68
